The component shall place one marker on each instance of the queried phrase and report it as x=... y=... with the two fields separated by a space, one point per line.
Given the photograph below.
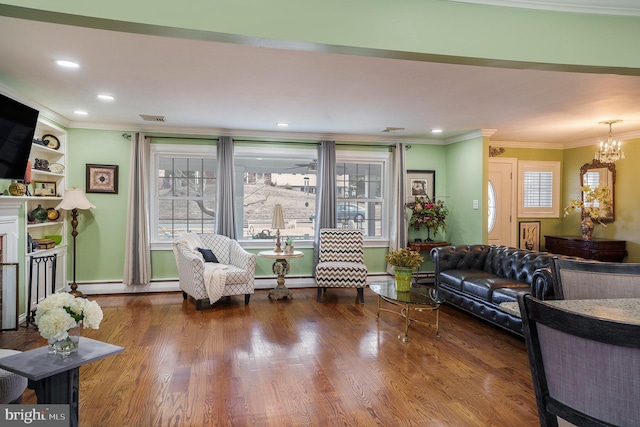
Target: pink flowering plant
x=427 y=213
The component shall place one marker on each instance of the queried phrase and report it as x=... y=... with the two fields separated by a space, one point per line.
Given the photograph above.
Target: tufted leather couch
x=478 y=278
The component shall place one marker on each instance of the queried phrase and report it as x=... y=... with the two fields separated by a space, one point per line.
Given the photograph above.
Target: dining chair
x=583 y=279
x=585 y=370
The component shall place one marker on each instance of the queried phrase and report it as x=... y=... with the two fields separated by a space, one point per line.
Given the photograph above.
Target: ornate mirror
x=597 y=174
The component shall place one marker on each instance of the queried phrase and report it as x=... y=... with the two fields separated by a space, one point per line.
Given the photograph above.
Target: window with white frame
x=361 y=193
x=266 y=176
x=539 y=189
x=183 y=190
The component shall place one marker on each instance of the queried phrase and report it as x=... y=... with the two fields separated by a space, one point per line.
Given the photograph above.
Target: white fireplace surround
x=9 y=230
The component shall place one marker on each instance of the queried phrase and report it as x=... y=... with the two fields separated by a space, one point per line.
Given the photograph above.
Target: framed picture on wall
x=102 y=179
x=530 y=235
x=420 y=183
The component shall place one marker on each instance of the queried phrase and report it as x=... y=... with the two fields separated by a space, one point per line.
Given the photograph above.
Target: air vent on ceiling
x=148 y=118
x=391 y=129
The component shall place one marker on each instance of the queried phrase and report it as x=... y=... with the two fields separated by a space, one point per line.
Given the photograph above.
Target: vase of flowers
x=405 y=262
x=59 y=318
x=427 y=213
x=594 y=202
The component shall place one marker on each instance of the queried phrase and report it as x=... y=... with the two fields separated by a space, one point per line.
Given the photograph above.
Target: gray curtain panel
x=225 y=207
x=137 y=259
x=397 y=200
x=326 y=196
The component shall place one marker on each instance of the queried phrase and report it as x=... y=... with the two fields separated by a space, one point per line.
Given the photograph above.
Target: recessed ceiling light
x=67 y=64
x=105 y=97
x=282 y=124
x=436 y=130
x=81 y=113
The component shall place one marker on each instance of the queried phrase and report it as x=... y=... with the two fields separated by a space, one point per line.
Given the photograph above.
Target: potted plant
x=427 y=213
x=405 y=261
x=591 y=205
x=288 y=245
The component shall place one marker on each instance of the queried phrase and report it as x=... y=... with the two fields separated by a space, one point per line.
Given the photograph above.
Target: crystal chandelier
x=611 y=150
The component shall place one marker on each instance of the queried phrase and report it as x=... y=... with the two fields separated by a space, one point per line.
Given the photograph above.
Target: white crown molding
x=478 y=133
x=43 y=111
x=237 y=133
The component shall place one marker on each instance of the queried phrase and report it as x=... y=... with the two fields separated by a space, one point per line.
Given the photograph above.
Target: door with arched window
x=501 y=202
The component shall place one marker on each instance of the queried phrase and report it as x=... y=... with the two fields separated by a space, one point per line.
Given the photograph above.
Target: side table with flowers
x=405 y=262
x=59 y=318
x=427 y=213
x=591 y=205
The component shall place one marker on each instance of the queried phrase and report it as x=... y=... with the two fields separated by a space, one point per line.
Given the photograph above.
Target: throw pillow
x=208 y=255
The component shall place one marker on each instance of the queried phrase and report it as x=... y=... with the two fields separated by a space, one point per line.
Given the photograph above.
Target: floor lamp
x=73 y=200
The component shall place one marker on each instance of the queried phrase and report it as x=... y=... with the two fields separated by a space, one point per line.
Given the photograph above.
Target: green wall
x=100 y=241
x=626 y=196
x=466 y=182
x=432 y=29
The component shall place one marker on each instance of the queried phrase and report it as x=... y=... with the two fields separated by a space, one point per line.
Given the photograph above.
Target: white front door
x=501 y=203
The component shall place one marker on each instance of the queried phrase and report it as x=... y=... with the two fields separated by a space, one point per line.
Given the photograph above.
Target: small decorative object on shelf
x=56 y=168
x=59 y=317
x=41 y=165
x=51 y=141
x=405 y=262
x=52 y=214
x=17 y=189
x=594 y=202
x=39 y=214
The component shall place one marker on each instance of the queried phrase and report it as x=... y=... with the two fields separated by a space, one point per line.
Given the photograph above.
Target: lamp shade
x=278 y=217
x=74 y=199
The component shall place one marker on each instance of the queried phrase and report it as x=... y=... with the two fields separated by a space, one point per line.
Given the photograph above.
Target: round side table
x=280 y=267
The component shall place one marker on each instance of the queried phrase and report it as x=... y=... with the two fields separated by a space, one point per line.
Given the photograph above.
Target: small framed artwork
x=420 y=183
x=530 y=235
x=102 y=179
x=44 y=189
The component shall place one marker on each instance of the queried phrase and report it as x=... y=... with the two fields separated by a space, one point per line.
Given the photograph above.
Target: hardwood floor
x=295 y=363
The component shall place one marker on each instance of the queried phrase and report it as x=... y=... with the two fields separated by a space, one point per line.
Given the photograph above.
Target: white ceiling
x=211 y=88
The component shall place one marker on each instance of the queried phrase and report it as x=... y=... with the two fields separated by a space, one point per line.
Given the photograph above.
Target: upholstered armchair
x=228 y=270
x=583 y=279
x=341 y=261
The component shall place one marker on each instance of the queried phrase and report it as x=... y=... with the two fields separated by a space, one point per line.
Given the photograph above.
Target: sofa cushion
x=507 y=294
x=485 y=286
x=454 y=278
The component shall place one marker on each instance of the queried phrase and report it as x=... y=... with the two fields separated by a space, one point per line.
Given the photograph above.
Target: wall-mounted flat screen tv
x=17 y=126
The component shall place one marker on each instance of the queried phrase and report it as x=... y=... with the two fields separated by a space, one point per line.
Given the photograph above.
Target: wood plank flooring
x=295 y=362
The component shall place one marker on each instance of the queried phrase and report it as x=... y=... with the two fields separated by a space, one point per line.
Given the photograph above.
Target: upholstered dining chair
x=582 y=279
x=585 y=370
x=341 y=261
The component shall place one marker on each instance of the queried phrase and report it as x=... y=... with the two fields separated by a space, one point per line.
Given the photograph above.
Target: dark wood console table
x=425 y=277
x=597 y=249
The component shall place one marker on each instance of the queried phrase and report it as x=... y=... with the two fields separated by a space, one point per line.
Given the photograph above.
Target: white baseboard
x=105 y=288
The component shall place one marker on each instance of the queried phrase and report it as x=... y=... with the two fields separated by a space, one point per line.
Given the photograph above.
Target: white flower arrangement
x=59 y=312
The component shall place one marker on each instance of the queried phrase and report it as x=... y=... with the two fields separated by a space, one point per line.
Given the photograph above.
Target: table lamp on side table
x=277 y=223
x=73 y=200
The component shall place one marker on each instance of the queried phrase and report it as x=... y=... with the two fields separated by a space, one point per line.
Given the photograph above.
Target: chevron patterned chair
x=341 y=261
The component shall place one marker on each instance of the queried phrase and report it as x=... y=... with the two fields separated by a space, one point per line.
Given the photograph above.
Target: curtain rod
x=202 y=138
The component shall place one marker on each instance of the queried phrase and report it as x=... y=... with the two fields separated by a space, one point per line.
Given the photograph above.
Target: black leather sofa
x=478 y=278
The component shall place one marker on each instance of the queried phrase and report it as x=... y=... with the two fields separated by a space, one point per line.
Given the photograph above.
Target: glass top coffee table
x=417 y=299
